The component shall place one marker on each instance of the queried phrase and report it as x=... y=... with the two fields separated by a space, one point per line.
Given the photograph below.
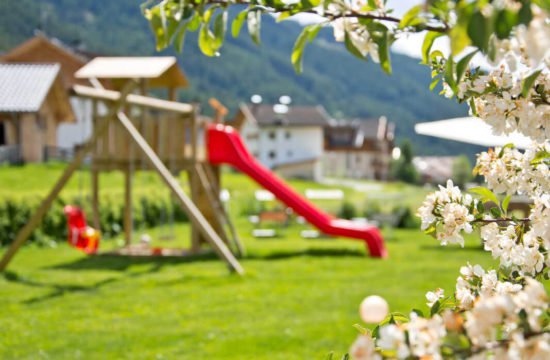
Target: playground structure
x=134 y=131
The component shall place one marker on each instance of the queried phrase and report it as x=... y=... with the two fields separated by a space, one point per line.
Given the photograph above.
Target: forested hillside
x=345 y=86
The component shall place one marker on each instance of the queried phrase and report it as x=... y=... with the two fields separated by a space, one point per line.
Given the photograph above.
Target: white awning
x=471 y=130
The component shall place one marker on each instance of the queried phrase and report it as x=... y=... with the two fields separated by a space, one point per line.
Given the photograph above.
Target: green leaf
x=505 y=22
x=427 y=45
x=206 y=41
x=506 y=202
x=313 y=31
x=194 y=23
x=351 y=48
x=459 y=38
x=180 y=38
x=525 y=14
x=435 y=308
x=399 y=317
x=541 y=156
x=479 y=30
x=376 y=332
x=254 y=22
x=410 y=17
x=220 y=25
x=418 y=312
x=238 y=23
x=495 y=212
x=383 y=43
x=361 y=329
x=434 y=83
x=462 y=65
x=507 y=146
x=298 y=50
x=528 y=82
x=472 y=104
x=449 y=74
x=431 y=231
x=486 y=194
x=308 y=34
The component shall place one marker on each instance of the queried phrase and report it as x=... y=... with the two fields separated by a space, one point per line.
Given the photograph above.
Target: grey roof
x=295 y=116
x=351 y=133
x=24 y=87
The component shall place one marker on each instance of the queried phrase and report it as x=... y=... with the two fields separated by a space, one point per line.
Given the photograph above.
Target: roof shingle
x=265 y=115
x=24 y=87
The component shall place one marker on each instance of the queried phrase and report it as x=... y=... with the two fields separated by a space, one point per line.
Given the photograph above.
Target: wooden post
x=194 y=184
x=95 y=172
x=128 y=215
x=172 y=93
x=95 y=199
x=188 y=206
x=35 y=219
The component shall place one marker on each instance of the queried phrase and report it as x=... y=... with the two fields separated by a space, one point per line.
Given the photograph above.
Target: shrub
x=347 y=211
x=149 y=211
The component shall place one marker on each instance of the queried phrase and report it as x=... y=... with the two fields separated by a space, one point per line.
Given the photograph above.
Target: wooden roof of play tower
x=159 y=71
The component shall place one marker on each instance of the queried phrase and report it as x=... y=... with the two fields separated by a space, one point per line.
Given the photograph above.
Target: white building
x=287 y=139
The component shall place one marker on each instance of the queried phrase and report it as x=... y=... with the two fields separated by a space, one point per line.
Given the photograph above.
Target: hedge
x=149 y=211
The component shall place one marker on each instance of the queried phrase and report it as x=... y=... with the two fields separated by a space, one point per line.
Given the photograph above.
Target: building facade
x=287 y=139
x=358 y=149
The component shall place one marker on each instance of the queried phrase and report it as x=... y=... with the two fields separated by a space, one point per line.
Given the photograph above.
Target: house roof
x=41 y=49
x=356 y=133
x=25 y=86
x=265 y=115
x=160 y=71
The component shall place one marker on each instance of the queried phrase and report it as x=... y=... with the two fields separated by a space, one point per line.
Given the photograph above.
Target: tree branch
x=332 y=15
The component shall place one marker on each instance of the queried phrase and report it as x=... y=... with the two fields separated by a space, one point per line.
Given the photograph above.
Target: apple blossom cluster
x=530 y=45
x=508 y=170
x=505 y=321
x=448 y=212
x=523 y=253
x=474 y=282
x=358 y=34
x=497 y=98
x=514 y=317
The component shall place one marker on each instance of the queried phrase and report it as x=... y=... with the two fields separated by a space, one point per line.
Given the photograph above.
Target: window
x=272 y=154
x=272 y=135
x=2 y=133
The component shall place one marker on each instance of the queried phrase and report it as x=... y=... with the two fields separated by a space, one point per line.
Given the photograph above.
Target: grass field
x=298 y=300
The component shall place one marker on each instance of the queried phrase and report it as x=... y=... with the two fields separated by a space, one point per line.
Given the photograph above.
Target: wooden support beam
x=133 y=99
x=188 y=206
x=213 y=195
x=213 y=179
x=35 y=219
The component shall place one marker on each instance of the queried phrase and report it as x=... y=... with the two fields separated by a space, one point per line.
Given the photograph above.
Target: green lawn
x=298 y=299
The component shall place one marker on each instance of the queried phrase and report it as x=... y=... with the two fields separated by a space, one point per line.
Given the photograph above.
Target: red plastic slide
x=225 y=146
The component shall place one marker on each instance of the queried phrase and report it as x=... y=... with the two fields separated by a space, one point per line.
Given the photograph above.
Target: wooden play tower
x=133 y=131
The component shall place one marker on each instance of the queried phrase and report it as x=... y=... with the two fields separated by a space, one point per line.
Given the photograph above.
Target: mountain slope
x=346 y=86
